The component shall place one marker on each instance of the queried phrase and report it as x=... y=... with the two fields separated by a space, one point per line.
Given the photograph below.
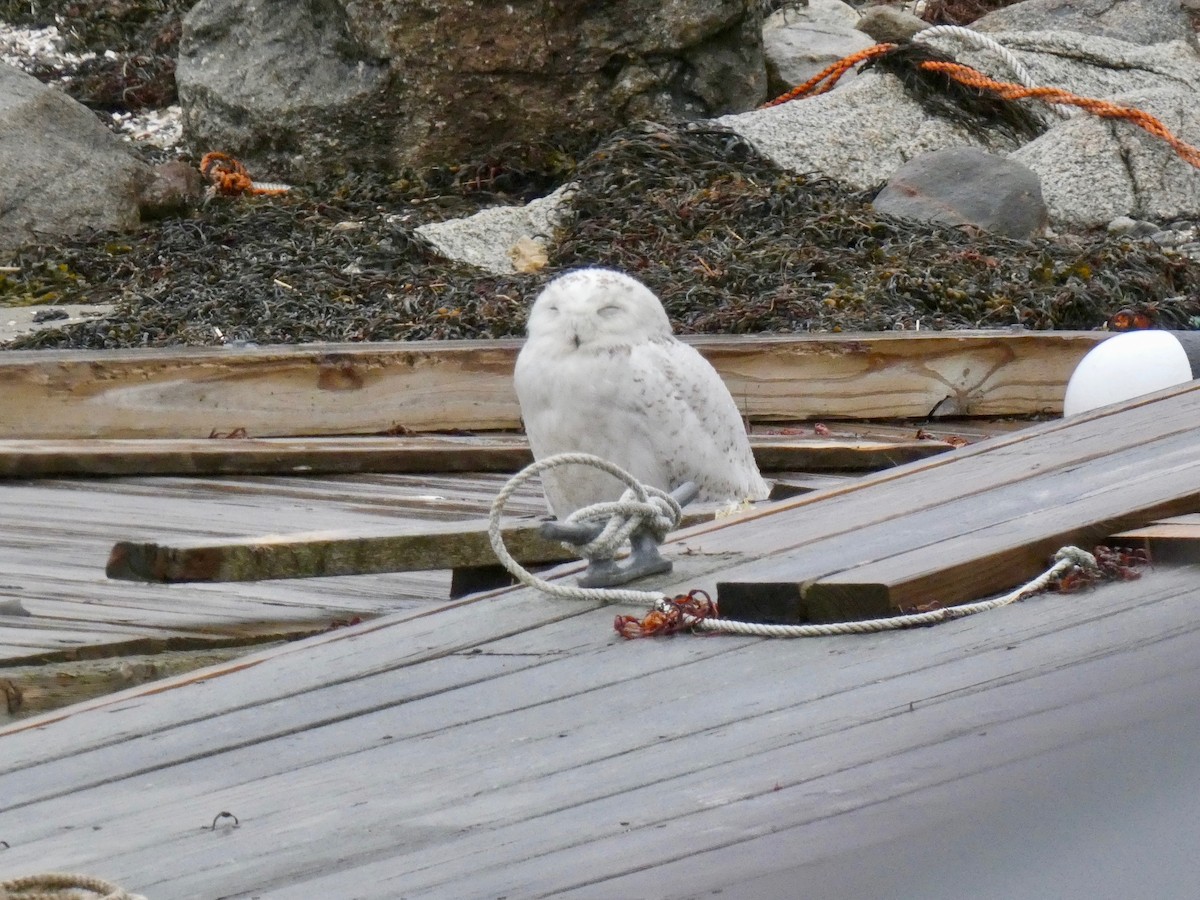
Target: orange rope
x=833 y=72
x=1004 y=89
x=229 y=176
x=696 y=604
x=970 y=77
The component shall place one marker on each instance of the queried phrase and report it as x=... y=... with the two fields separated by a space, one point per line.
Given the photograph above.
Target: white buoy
x=1129 y=365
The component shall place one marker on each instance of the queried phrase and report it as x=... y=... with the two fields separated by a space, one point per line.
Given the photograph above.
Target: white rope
x=640 y=504
x=659 y=509
x=983 y=42
x=1066 y=559
x=62 y=885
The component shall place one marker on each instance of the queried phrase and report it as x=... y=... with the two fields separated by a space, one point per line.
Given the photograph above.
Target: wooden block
x=961 y=528
x=1170 y=541
x=435 y=545
x=336 y=389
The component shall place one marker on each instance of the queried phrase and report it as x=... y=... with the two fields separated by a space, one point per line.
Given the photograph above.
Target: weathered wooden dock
x=511 y=745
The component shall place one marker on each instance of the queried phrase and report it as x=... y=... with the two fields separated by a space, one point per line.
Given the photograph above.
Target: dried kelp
x=732 y=244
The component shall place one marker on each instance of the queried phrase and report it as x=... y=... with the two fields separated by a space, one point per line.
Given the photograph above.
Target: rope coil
x=62 y=885
x=639 y=505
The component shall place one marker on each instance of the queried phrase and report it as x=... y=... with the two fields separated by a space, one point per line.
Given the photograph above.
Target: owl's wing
x=698 y=433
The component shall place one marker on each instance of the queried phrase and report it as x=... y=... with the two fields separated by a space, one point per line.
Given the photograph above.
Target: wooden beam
x=980 y=563
x=1172 y=541
x=433 y=545
x=428 y=453
x=965 y=525
x=436 y=545
x=460 y=546
x=437 y=385
x=32 y=689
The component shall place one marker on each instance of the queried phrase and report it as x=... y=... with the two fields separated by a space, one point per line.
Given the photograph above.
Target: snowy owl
x=602 y=373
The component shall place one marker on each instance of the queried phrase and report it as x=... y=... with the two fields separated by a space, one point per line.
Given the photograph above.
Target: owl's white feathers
x=602 y=373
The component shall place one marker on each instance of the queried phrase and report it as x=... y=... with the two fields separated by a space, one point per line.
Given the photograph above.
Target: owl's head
x=596 y=309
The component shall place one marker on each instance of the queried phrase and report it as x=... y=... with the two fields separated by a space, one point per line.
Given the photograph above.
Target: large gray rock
x=859 y=135
x=965 y=186
x=889 y=25
x=61 y=171
x=1093 y=170
x=1088 y=66
x=862 y=134
x=1132 y=21
x=297 y=88
x=800 y=42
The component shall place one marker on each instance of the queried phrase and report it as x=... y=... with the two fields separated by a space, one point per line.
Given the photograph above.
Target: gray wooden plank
x=1001 y=460
x=535 y=812
x=985 y=543
x=55 y=537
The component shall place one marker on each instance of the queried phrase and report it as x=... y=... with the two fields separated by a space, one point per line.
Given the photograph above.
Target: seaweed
x=730 y=242
x=130 y=48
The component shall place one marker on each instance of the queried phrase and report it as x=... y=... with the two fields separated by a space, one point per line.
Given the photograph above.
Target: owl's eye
x=609 y=311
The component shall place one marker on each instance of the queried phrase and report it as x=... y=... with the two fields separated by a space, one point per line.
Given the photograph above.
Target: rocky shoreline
x=715 y=217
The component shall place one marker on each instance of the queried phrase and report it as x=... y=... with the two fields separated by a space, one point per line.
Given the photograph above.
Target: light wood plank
x=1172 y=540
x=428 y=386
x=1000 y=555
x=341 y=456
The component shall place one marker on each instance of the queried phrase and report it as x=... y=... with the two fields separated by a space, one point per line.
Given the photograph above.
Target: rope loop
x=62 y=885
x=639 y=504
x=696 y=610
x=670 y=616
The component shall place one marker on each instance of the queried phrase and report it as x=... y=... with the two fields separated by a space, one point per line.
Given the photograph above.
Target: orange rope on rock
x=833 y=73
x=230 y=178
x=1006 y=90
x=1106 y=110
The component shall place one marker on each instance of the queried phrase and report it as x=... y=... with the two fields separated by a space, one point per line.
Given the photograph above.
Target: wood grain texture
x=511 y=745
x=55 y=537
x=984 y=520
x=429 y=453
x=429 y=386
x=393 y=760
x=1173 y=540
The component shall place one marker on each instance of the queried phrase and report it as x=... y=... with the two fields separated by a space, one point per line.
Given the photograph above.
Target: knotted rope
x=696 y=610
x=640 y=506
x=231 y=179
x=61 y=886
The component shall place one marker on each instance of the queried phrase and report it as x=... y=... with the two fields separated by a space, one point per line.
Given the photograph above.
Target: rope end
x=668 y=616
